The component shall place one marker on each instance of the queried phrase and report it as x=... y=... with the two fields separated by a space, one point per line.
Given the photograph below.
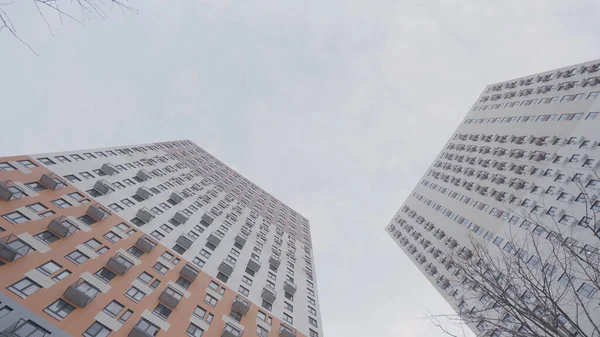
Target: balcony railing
x=226 y=268
x=189 y=273
x=9 y=191
x=207 y=218
x=144 y=175
x=180 y=217
x=144 y=328
x=119 y=264
x=241 y=239
x=51 y=181
x=170 y=297
x=109 y=169
x=62 y=227
x=240 y=305
x=145 y=244
x=97 y=212
x=290 y=287
x=103 y=186
x=145 y=214
x=274 y=261
x=230 y=331
x=144 y=192
x=12 y=248
x=284 y=331
x=185 y=241
x=176 y=197
x=254 y=264
x=81 y=293
x=214 y=238
x=269 y=294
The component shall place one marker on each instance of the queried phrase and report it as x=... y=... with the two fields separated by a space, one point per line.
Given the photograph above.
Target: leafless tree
x=542 y=281
x=76 y=10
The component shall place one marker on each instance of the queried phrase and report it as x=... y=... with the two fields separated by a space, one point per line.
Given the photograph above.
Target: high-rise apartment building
x=150 y=240
x=528 y=145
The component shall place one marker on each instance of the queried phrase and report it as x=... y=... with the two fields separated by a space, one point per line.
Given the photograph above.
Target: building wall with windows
x=150 y=240
x=525 y=148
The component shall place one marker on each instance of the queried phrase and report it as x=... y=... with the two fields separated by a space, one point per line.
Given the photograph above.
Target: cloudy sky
x=336 y=107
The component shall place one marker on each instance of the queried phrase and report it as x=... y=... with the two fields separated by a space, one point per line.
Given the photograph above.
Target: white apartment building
x=524 y=146
x=212 y=217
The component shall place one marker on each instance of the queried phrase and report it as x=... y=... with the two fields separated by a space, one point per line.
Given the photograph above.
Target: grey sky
x=335 y=107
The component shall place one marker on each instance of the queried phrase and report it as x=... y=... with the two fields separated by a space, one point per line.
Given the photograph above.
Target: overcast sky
x=335 y=107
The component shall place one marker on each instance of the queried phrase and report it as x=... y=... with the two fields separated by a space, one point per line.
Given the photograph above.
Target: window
x=199 y=262
x=92 y=243
x=63 y=159
x=205 y=253
x=179 y=249
x=244 y=291
x=155 y=284
x=72 y=178
x=312 y=310
x=267 y=305
x=194 y=331
x=183 y=282
x=235 y=315
x=135 y=251
x=125 y=316
x=24 y=288
x=97 y=330
x=6 y=167
x=27 y=329
x=312 y=321
x=77 y=257
x=312 y=333
x=592 y=115
x=288 y=306
x=15 y=218
x=105 y=275
x=162 y=311
x=27 y=163
x=113 y=308
x=5 y=310
x=49 y=268
x=86 y=175
x=261 y=332
x=250 y=271
x=127 y=202
x=59 y=309
x=213 y=285
x=587 y=290
x=564 y=279
x=112 y=237
x=289 y=296
x=145 y=277
x=77 y=157
x=46 y=161
x=62 y=203
x=161 y=268
x=210 y=300
x=115 y=207
x=93 y=193
x=199 y=312
x=99 y=173
x=61 y=276
x=288 y=318
x=247 y=280
x=86 y=219
x=135 y=294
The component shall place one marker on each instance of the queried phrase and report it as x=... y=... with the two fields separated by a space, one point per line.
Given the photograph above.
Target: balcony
x=284 y=331
x=269 y=294
x=9 y=191
x=185 y=241
x=81 y=293
x=13 y=248
x=226 y=268
x=254 y=264
x=170 y=297
x=144 y=175
x=180 y=217
x=176 y=197
x=109 y=169
x=189 y=273
x=290 y=287
x=24 y=328
x=145 y=244
x=51 y=181
x=274 y=261
x=230 y=331
x=214 y=238
x=241 y=239
x=240 y=305
x=145 y=214
x=118 y=264
x=103 y=186
x=62 y=227
x=97 y=212
x=144 y=192
x=207 y=218
x=144 y=329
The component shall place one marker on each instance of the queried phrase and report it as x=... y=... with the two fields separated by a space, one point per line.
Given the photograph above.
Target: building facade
x=527 y=146
x=150 y=240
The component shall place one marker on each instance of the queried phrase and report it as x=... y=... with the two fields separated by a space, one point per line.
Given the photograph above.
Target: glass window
x=49 y=268
x=27 y=163
x=112 y=237
x=37 y=207
x=15 y=218
x=97 y=330
x=125 y=316
x=199 y=312
x=161 y=268
x=113 y=308
x=105 y=275
x=210 y=300
x=61 y=276
x=24 y=287
x=62 y=203
x=135 y=294
x=194 y=331
x=77 y=257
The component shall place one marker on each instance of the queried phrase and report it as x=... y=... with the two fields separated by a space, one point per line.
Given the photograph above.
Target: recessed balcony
x=81 y=293
x=170 y=297
x=189 y=273
x=109 y=169
x=185 y=241
x=144 y=175
x=180 y=217
x=51 y=181
x=145 y=214
x=269 y=294
x=13 y=248
x=97 y=212
x=62 y=227
x=119 y=264
x=103 y=186
x=290 y=287
x=145 y=244
x=226 y=268
x=240 y=305
x=9 y=191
